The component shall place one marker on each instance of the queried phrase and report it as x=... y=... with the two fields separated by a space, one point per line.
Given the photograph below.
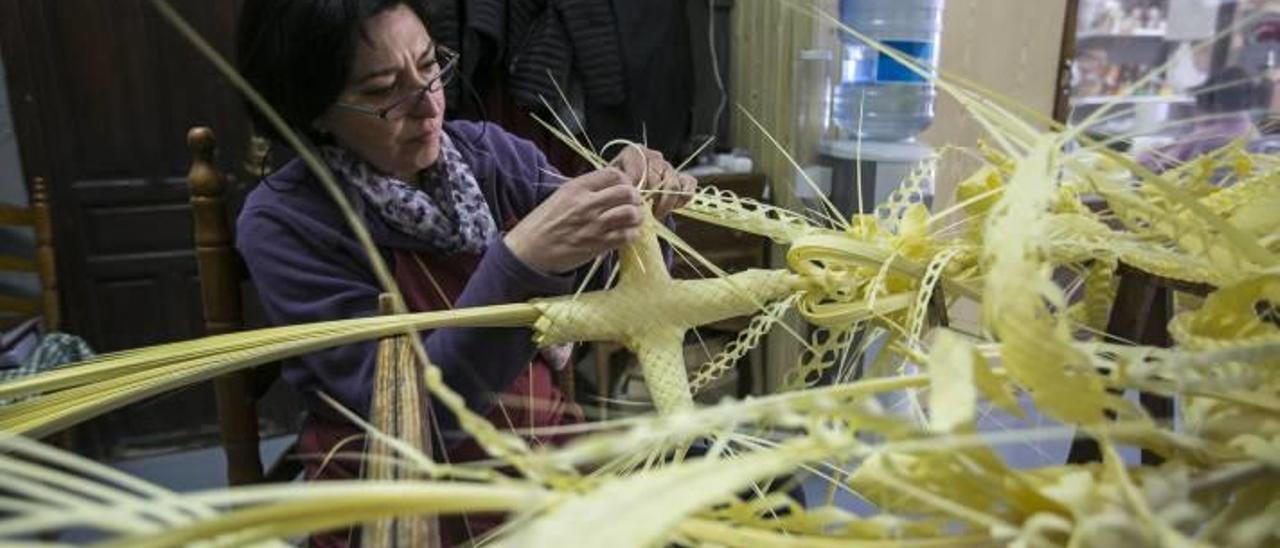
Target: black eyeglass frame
x=442 y=79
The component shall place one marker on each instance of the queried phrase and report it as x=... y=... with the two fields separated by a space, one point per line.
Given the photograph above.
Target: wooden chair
x=1140 y=314
x=222 y=274
x=16 y=308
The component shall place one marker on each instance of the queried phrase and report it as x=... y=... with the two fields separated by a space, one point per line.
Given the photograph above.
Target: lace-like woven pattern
x=727 y=209
x=746 y=340
x=828 y=346
x=907 y=194
x=920 y=308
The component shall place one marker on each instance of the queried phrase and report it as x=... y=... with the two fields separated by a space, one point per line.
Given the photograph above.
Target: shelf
x=1086 y=101
x=1100 y=35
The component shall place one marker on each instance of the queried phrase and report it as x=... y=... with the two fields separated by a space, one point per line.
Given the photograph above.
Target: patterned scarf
x=447 y=211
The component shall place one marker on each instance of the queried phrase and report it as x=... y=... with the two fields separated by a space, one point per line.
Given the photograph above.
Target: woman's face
x=393 y=59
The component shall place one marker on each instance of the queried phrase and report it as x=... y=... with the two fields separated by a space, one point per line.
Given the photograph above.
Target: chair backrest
x=221 y=276
x=43 y=264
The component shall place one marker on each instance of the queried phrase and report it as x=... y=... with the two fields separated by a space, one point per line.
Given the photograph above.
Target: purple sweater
x=308 y=267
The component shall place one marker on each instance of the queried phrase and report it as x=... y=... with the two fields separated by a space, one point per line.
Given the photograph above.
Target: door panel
x=103 y=92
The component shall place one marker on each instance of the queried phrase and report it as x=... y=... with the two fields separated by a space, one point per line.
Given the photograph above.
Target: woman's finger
x=660 y=166
x=633 y=162
x=669 y=194
x=618 y=238
x=621 y=217
x=608 y=198
x=688 y=186
x=601 y=179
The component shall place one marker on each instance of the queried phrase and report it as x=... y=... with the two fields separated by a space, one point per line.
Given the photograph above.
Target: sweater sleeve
x=302 y=276
x=479 y=362
x=302 y=279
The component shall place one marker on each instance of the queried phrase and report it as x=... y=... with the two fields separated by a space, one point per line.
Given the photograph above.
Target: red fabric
x=321 y=435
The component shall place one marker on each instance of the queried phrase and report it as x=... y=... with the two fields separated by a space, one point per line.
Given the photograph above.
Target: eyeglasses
x=401 y=106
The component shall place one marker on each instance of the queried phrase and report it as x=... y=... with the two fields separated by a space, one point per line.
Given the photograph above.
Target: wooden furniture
x=15 y=308
x=1140 y=315
x=98 y=122
x=221 y=276
x=101 y=122
x=1099 y=48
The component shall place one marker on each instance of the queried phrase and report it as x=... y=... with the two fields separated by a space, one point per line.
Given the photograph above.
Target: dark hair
x=298 y=54
x=1232 y=89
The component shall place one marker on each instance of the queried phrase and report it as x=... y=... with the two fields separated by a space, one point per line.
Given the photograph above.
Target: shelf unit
x=1103 y=35
x=1132 y=99
x=1090 y=42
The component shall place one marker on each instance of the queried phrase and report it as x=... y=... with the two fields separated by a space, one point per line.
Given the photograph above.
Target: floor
x=196 y=470
x=185 y=471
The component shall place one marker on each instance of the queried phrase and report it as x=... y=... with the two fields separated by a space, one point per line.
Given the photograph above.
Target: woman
x=465 y=213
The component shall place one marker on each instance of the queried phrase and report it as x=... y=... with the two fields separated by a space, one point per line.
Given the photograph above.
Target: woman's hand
x=587 y=216
x=654 y=175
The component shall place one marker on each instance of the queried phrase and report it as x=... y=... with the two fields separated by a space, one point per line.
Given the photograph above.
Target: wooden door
x=103 y=92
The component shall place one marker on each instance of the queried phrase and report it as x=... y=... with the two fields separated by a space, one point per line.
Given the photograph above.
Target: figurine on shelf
x=1187 y=68
x=1145 y=22
x=1090 y=73
x=1131 y=23
x=1156 y=21
x=1108 y=17
x=1111 y=83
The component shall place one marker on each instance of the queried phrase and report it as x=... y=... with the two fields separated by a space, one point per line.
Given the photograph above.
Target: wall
x=1011 y=46
x=766 y=38
x=12 y=191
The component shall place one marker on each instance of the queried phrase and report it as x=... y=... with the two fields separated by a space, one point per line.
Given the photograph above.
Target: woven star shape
x=649 y=313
